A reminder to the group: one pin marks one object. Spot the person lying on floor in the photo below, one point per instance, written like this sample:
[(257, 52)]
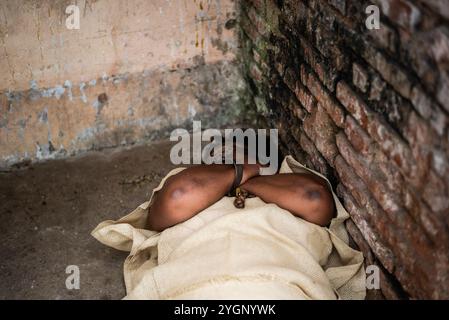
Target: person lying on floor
[(194, 189), (192, 241)]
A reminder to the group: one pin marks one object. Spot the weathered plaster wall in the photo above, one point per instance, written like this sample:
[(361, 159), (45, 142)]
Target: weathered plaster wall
[(133, 69)]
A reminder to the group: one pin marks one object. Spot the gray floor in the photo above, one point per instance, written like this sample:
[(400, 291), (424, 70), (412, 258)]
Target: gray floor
[(48, 210)]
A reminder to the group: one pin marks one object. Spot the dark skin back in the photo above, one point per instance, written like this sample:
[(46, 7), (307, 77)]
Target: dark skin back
[(196, 188)]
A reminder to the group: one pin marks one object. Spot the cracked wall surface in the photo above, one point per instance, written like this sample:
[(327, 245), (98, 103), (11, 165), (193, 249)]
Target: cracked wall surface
[(134, 70)]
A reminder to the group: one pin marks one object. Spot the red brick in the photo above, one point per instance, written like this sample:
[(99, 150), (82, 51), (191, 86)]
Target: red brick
[(443, 90), (394, 147), (317, 160), (261, 26), (357, 136), (354, 105), (402, 13), (440, 46), (360, 216), (377, 185), (389, 71), (255, 72), (357, 240), (439, 6), (435, 193), (358, 190), (351, 181), (422, 103), (250, 30), (370, 174), (259, 5), (321, 130), (385, 37), (390, 143), (377, 88), (420, 137), (360, 77), (433, 225), (328, 45), (315, 61), (429, 110), (305, 97), (440, 162), (290, 78), (304, 73), (294, 106), (325, 99)]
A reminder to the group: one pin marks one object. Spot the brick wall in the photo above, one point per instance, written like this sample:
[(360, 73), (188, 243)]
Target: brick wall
[(369, 109)]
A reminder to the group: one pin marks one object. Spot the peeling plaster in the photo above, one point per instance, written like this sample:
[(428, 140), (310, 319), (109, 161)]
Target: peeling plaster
[(151, 85), (43, 116), (68, 86), (83, 95)]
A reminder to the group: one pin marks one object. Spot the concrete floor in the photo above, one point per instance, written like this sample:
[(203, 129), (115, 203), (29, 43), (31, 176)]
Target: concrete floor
[(48, 210)]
